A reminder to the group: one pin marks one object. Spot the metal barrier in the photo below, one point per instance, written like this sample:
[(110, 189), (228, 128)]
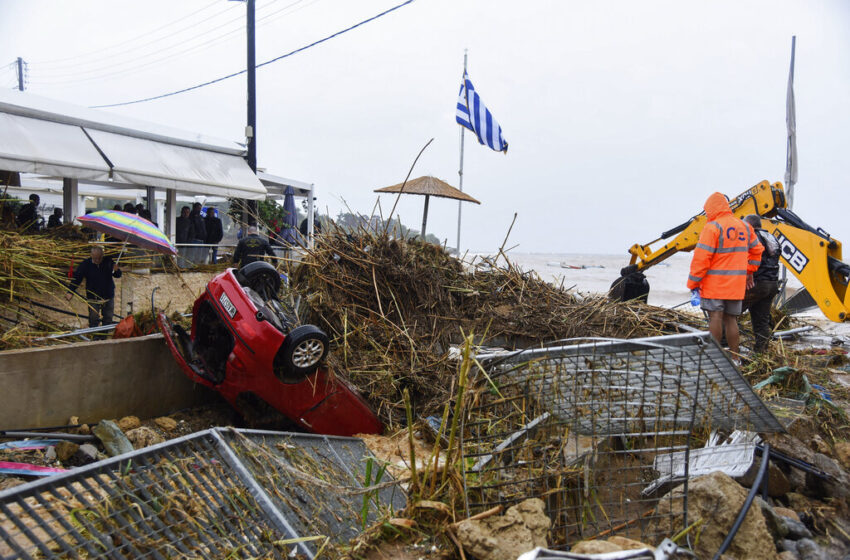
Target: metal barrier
[(580, 426), (234, 493)]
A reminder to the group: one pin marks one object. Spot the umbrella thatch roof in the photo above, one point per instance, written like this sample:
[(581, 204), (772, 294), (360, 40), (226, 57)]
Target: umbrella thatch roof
[(431, 186)]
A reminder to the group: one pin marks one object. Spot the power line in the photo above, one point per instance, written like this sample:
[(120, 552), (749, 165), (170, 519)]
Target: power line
[(99, 52), (180, 43), (281, 57), (169, 56)]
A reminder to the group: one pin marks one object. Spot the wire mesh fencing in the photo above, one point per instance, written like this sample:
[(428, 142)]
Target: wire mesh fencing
[(587, 428), (214, 494)]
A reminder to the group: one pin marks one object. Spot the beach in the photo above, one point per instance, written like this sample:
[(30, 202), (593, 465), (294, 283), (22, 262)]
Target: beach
[(594, 273)]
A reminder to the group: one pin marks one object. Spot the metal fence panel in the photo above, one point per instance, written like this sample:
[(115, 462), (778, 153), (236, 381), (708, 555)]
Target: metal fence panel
[(216, 493), (580, 426)]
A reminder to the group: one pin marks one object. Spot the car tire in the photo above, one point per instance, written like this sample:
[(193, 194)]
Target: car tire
[(301, 353), (261, 277)]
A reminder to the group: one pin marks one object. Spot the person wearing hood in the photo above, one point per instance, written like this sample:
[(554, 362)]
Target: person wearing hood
[(725, 258), (759, 297)]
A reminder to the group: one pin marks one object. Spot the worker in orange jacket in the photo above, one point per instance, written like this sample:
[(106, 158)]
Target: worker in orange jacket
[(725, 258)]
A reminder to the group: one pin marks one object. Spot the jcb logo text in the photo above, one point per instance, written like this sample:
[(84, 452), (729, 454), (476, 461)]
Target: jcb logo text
[(793, 256)]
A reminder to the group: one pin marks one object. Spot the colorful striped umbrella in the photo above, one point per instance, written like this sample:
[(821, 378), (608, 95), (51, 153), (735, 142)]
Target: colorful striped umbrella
[(129, 228)]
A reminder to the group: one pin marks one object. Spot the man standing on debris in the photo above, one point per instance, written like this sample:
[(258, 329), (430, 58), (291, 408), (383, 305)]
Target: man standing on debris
[(727, 254), (98, 272), (759, 297), (251, 248)]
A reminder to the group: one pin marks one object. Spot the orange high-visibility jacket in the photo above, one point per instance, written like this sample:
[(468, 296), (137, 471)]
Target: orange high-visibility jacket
[(726, 252)]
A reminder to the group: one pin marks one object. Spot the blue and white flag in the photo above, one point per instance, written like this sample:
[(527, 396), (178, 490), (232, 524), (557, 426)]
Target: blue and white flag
[(472, 114)]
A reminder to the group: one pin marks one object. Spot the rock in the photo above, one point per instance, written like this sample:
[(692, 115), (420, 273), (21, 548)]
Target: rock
[(82, 429), (796, 529), (87, 453), (112, 438), (144, 437), (789, 555), (842, 453), (594, 547), (797, 478), (777, 482), (787, 545), (50, 454), (129, 423), (782, 527), (798, 502), (821, 446), (717, 499), (807, 549), (839, 487), (533, 513), (628, 544), (791, 446), (775, 523), (522, 528), (65, 450), (785, 512), (166, 423)]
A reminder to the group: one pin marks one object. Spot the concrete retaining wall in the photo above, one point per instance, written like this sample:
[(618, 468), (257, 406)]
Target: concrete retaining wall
[(93, 380)]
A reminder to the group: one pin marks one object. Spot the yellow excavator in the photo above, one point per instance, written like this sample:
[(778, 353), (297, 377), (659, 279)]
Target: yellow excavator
[(811, 254)]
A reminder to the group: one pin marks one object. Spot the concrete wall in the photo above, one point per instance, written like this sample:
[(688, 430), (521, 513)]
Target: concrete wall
[(93, 380)]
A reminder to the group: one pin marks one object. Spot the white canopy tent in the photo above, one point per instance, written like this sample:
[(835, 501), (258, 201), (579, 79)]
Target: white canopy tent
[(276, 187), (54, 139)]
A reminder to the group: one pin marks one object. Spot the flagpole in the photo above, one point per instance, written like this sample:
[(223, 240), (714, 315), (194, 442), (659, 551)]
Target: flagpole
[(460, 171)]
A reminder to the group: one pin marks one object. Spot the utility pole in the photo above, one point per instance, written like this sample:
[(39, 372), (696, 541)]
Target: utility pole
[(20, 74), (251, 128)]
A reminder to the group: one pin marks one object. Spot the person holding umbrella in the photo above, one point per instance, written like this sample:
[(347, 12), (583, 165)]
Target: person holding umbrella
[(98, 271)]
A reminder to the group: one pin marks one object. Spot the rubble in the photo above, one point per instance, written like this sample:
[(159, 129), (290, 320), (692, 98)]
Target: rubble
[(144, 437), (405, 303), (129, 423), (714, 501), (504, 537), (166, 423), (112, 438)]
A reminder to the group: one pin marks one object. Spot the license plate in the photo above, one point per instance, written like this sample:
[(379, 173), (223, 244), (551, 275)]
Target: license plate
[(227, 305)]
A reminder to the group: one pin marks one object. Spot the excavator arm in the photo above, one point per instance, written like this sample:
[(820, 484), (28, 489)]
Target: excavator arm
[(763, 199), (809, 253)]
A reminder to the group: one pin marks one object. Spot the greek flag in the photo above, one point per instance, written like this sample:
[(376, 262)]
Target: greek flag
[(472, 114)]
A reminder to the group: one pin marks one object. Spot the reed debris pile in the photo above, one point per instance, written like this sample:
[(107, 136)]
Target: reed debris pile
[(393, 307)]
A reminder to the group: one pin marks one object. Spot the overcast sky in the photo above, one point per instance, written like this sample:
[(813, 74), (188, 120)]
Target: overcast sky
[(622, 117)]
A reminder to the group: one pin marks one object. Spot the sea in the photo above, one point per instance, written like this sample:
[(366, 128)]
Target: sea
[(594, 274)]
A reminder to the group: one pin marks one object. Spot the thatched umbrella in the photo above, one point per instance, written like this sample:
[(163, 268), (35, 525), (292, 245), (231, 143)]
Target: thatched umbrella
[(428, 186)]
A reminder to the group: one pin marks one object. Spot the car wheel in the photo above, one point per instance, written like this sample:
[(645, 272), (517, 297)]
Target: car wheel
[(301, 353), (261, 277)]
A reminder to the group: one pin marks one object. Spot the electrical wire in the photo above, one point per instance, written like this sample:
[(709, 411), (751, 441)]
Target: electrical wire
[(180, 42), (281, 57), (99, 52), (170, 55)]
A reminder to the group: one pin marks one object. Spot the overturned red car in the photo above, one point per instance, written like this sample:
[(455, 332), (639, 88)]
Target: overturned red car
[(245, 345)]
